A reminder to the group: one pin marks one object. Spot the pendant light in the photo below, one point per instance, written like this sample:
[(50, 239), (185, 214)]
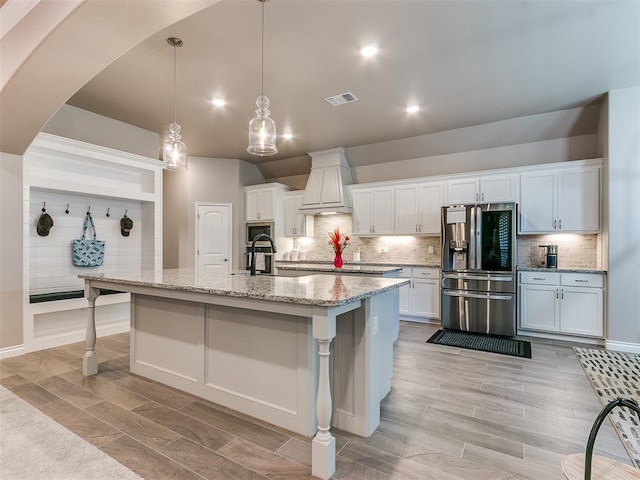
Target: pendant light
[(174, 152), (262, 129)]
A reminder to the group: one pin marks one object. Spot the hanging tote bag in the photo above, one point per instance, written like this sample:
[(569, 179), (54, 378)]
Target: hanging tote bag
[(88, 253)]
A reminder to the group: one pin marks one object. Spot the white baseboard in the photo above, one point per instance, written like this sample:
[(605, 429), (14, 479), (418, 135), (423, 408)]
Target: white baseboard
[(562, 337), (14, 351), (622, 346)]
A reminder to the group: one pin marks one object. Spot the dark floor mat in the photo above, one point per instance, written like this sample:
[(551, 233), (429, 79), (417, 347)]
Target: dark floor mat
[(483, 342)]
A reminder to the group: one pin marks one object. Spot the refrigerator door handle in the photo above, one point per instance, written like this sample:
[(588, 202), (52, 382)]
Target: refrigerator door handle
[(472, 239), (478, 265), (464, 276), (484, 296)]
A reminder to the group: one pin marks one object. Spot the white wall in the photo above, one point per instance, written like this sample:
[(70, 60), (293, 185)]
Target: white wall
[(207, 180), (11, 251), (73, 122), (620, 137)]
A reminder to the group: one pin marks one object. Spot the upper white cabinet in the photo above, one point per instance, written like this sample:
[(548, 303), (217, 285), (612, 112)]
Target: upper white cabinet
[(373, 211), (295, 224), (485, 189), (417, 208), (565, 200), (261, 201)]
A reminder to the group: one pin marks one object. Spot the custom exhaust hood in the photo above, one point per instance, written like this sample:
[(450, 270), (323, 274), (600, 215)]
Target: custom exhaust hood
[(325, 192)]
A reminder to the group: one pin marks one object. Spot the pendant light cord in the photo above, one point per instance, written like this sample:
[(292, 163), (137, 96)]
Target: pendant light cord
[(174, 83), (262, 52)]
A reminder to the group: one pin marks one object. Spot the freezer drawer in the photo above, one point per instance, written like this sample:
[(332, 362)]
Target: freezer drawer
[(480, 312), (479, 281)]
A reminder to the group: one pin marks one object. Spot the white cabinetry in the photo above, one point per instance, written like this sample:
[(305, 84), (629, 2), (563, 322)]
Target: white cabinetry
[(373, 211), (491, 188), (264, 202), (417, 208), (566, 200), (570, 303), (420, 300), (295, 224)]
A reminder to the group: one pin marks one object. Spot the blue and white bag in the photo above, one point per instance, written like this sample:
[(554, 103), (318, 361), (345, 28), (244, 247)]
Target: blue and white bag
[(88, 253)]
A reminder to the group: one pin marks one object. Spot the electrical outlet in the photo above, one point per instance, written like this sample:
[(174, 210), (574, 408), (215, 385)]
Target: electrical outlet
[(375, 325), (430, 249), (383, 248)]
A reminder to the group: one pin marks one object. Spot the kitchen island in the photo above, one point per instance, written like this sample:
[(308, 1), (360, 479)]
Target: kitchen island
[(261, 345)]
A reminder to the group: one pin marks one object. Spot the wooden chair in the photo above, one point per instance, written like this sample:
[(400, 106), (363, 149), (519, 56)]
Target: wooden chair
[(586, 466)]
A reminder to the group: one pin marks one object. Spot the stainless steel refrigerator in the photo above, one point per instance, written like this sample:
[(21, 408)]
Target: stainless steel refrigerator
[(479, 258)]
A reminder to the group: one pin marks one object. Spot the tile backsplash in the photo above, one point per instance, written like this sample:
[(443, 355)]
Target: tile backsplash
[(577, 251), (389, 249)]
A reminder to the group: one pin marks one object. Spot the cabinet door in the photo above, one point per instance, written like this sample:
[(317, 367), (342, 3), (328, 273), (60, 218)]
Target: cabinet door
[(291, 206), (407, 220), (579, 200), (463, 191), (252, 202), (581, 311), (539, 308), (361, 214), (537, 202), (266, 206), (405, 293), (383, 211), (426, 297), (499, 188), (431, 199)]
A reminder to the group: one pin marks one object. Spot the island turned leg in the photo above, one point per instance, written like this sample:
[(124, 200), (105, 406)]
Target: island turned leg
[(323, 446), (90, 359)]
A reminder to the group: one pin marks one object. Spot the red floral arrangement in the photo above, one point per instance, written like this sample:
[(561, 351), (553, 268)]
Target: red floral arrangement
[(337, 242)]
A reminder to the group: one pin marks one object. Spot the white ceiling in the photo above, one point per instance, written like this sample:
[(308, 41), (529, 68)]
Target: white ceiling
[(465, 62)]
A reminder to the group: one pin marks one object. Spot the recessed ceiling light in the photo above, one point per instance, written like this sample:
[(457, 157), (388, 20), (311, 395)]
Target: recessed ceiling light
[(369, 49), (413, 108), (287, 135), (219, 102)]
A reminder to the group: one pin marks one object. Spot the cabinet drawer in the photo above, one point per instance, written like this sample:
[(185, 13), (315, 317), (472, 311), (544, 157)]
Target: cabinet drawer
[(426, 273), (582, 280), (540, 278)]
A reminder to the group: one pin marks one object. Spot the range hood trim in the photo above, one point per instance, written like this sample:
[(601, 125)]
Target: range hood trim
[(325, 191)]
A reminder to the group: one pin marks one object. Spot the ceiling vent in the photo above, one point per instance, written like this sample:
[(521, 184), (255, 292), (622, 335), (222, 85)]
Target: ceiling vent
[(341, 99)]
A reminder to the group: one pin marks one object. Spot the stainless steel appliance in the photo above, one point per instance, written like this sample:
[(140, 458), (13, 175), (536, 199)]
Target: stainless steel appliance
[(253, 229), (550, 255), (479, 268)]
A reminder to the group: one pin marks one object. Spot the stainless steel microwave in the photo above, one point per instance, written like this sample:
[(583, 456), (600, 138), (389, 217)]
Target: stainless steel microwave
[(256, 228)]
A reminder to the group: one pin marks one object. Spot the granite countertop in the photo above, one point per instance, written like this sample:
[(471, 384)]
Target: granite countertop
[(300, 263), (320, 290), (562, 269), (328, 267)]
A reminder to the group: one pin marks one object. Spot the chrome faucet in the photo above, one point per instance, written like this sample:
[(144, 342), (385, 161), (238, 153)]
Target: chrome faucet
[(253, 249)]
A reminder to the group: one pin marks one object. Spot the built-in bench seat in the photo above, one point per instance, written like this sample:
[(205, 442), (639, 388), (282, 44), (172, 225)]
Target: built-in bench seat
[(52, 297)]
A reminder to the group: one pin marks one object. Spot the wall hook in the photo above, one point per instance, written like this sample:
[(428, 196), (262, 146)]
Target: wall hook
[(67, 210), (108, 214), (44, 205)]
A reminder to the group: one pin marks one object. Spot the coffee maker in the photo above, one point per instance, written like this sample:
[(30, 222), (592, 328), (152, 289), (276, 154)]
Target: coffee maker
[(550, 255)]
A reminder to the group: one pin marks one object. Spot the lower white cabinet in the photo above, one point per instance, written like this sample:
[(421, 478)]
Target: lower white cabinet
[(569, 303), (420, 300)]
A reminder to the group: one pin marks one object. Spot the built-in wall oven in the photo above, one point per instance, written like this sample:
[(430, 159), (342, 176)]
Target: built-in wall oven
[(479, 268)]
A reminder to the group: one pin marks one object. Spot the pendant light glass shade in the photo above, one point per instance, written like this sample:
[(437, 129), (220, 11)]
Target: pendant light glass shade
[(174, 152), (262, 129)]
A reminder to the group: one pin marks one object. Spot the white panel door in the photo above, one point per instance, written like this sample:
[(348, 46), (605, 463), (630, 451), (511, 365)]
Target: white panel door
[(539, 308), (463, 190), (431, 198), (538, 202), (383, 211), (361, 215), (426, 297), (581, 311), (579, 200), (499, 188), (213, 227), (407, 220)]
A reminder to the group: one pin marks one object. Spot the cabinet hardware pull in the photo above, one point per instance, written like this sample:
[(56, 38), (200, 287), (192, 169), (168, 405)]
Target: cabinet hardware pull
[(420, 227), (483, 197), (554, 225), (556, 293), (582, 281), (539, 278), (476, 197), (562, 294), (560, 224)]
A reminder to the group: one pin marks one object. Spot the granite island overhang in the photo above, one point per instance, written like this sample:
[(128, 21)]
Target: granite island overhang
[(261, 345)]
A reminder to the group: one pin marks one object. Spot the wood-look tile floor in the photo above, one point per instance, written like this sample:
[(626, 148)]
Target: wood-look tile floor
[(452, 414)]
